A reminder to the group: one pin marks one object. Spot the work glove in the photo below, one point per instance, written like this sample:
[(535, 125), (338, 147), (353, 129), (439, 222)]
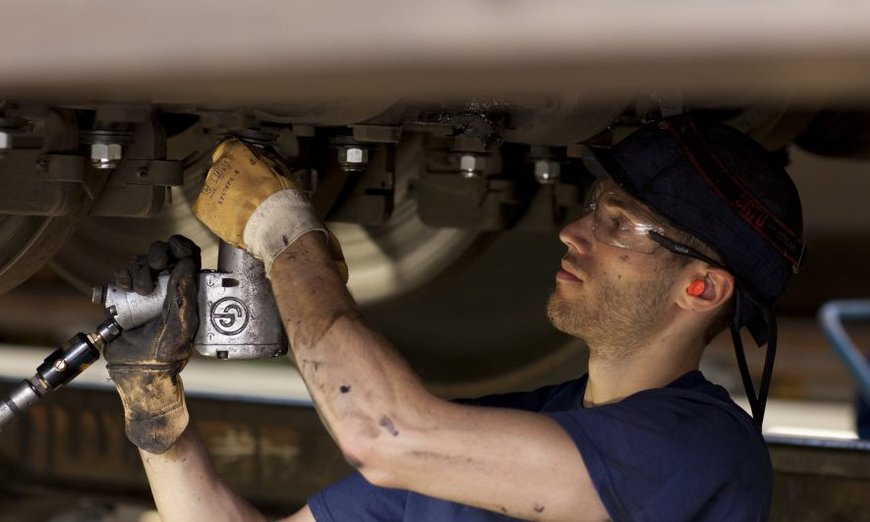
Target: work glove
[(145, 362), (251, 201)]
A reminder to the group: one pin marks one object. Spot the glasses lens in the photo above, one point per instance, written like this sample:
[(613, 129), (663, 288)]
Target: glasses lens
[(618, 221)]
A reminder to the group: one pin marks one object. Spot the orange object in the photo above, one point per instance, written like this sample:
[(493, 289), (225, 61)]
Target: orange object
[(696, 288)]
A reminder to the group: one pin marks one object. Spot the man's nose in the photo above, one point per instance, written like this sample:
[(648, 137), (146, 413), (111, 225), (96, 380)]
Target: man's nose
[(578, 234)]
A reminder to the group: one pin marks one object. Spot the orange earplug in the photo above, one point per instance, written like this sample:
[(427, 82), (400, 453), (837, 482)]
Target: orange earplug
[(696, 288)]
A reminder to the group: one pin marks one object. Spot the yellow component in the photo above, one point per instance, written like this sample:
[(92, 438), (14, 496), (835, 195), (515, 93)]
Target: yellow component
[(237, 182)]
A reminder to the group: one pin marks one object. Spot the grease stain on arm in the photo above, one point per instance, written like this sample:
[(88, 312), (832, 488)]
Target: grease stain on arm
[(387, 424)]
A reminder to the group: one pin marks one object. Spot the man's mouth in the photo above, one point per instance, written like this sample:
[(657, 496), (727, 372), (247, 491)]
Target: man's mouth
[(568, 273)]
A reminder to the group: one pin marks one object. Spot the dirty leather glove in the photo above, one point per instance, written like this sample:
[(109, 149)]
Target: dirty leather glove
[(251, 201), (145, 362)]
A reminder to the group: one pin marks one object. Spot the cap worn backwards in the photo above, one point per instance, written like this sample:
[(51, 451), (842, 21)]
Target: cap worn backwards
[(722, 187)]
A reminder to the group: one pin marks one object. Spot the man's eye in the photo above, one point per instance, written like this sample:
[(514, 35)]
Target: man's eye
[(621, 224), (617, 225)]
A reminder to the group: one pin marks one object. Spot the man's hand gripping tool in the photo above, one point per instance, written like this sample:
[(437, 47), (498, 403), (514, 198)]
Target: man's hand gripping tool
[(238, 319)]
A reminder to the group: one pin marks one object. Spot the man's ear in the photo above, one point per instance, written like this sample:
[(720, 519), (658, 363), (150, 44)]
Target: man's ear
[(705, 290)]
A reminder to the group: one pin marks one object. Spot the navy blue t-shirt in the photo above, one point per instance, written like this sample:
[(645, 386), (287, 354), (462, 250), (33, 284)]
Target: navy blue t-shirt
[(679, 453)]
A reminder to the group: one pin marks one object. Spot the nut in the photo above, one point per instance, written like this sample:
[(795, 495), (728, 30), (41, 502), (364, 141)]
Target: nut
[(106, 155), (547, 171), (353, 158), (470, 165)]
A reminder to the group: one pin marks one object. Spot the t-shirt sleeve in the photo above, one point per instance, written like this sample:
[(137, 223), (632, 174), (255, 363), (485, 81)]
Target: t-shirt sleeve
[(672, 455), (355, 499)]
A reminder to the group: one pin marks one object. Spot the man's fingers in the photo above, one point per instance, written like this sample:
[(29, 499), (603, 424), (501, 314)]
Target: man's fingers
[(185, 269), (159, 256), (182, 247), (180, 309), (123, 280), (141, 276), (163, 255)]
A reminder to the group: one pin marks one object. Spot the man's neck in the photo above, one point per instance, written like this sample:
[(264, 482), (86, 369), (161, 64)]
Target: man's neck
[(611, 380)]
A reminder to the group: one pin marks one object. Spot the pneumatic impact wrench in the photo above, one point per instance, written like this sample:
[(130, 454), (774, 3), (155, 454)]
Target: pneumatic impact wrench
[(238, 319)]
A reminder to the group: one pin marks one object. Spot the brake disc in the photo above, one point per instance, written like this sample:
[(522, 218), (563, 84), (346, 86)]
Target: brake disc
[(28, 240), (27, 243)]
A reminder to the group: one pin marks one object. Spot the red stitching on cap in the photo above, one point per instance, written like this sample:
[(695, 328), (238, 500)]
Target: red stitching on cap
[(753, 212)]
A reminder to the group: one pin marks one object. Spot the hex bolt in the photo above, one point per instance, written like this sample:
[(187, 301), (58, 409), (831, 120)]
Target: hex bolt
[(470, 165), (106, 155), (352, 158), (5, 142), (547, 171)]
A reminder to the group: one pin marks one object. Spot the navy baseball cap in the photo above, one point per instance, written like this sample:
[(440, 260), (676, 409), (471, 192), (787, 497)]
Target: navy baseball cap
[(720, 186)]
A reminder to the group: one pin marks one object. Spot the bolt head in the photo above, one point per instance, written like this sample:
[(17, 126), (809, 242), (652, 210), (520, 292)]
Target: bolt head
[(547, 171), (60, 365), (5, 141), (106, 155), (353, 158), (471, 165)]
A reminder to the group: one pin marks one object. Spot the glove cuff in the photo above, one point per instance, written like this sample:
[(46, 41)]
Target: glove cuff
[(278, 221), (155, 412)]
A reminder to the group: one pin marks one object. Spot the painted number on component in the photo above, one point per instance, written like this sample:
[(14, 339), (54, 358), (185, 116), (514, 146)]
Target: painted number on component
[(229, 316)]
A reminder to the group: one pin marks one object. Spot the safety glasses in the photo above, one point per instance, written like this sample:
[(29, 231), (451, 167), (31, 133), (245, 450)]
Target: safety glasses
[(621, 221)]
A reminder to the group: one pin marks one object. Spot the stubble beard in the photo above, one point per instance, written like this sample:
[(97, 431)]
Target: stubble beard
[(618, 322)]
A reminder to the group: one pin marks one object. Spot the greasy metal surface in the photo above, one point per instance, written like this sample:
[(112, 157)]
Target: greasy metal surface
[(273, 454), (170, 51)]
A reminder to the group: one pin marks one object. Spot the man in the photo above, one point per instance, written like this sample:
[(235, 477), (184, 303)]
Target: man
[(690, 229)]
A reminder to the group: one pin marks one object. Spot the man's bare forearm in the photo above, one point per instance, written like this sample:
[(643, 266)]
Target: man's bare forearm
[(185, 486), (358, 382)]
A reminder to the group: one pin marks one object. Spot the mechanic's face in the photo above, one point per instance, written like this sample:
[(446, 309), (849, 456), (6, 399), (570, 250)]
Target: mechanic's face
[(610, 295)]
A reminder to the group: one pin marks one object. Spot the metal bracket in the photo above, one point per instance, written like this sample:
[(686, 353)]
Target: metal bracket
[(371, 196), (377, 133), (61, 167), (166, 173)]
